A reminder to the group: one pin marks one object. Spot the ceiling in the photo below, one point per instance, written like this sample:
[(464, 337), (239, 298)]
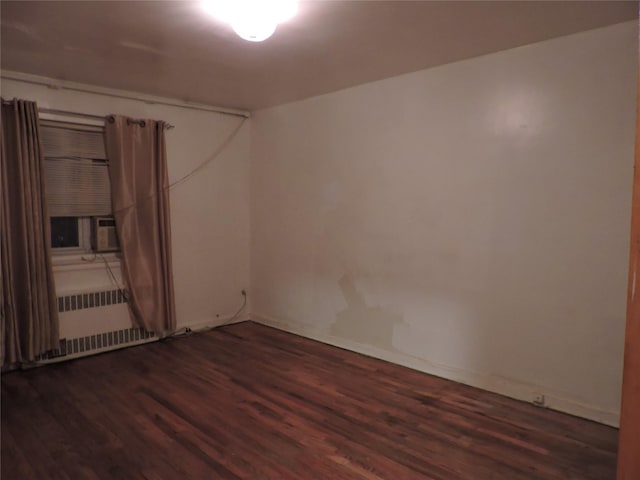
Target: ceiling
[(174, 49)]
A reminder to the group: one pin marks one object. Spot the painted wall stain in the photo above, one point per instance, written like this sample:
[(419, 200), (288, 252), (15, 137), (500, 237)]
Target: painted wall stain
[(362, 323)]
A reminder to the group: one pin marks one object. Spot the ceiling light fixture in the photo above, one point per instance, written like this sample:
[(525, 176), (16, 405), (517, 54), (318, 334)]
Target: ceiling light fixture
[(253, 20)]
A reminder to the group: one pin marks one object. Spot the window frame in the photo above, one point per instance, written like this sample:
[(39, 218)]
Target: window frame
[(72, 257)]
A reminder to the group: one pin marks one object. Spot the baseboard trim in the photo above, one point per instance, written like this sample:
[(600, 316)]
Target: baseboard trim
[(493, 383)]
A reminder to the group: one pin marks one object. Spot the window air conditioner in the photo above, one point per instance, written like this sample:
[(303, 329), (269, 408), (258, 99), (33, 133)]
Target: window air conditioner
[(103, 235)]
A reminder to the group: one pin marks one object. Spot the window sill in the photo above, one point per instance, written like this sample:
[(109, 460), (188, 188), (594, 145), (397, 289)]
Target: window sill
[(66, 262)]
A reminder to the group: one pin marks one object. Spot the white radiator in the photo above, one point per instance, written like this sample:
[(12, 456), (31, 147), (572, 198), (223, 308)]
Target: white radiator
[(99, 342)]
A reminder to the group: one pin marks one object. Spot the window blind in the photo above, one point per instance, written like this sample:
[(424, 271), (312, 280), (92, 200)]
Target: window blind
[(77, 173)]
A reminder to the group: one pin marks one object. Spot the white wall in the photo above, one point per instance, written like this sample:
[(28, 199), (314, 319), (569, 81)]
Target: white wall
[(209, 212), (470, 220)]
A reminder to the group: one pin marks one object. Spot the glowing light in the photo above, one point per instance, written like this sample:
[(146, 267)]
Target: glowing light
[(254, 31), (253, 20)]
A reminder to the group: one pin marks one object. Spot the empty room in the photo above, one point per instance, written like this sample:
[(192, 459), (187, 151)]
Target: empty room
[(320, 239)]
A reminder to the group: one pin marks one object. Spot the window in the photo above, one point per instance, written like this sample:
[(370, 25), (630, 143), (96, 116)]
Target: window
[(78, 186), (64, 232)]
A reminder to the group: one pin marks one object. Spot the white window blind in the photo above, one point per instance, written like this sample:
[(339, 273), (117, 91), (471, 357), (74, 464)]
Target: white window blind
[(76, 168)]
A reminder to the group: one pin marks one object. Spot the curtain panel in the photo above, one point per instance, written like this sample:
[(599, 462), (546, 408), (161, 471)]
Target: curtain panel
[(140, 198), (29, 310)]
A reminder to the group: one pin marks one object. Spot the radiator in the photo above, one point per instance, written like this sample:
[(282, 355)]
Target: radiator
[(82, 301), (99, 342)]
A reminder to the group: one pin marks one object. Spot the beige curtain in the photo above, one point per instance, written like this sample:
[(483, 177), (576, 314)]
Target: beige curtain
[(29, 313), (140, 198)]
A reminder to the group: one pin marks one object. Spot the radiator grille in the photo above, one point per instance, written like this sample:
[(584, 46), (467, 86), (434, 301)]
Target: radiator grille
[(100, 341), (82, 301), (88, 345)]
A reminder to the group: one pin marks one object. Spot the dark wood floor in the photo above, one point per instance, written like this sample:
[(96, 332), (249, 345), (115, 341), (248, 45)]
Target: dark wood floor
[(247, 401)]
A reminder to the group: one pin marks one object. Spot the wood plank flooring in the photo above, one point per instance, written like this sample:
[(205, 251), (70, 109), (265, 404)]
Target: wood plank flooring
[(250, 402)]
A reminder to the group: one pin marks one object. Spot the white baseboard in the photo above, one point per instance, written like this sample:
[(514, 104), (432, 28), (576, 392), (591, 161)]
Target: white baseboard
[(493, 383)]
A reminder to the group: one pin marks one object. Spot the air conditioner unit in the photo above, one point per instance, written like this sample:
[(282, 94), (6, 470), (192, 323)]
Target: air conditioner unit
[(103, 235)]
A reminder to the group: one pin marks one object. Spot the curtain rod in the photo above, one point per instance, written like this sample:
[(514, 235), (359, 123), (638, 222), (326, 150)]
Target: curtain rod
[(62, 85), (72, 114), (54, 111)]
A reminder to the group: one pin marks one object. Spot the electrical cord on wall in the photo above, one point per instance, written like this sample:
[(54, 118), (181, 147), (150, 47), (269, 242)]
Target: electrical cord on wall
[(112, 276), (189, 331), (235, 315), (213, 156), (223, 146)]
